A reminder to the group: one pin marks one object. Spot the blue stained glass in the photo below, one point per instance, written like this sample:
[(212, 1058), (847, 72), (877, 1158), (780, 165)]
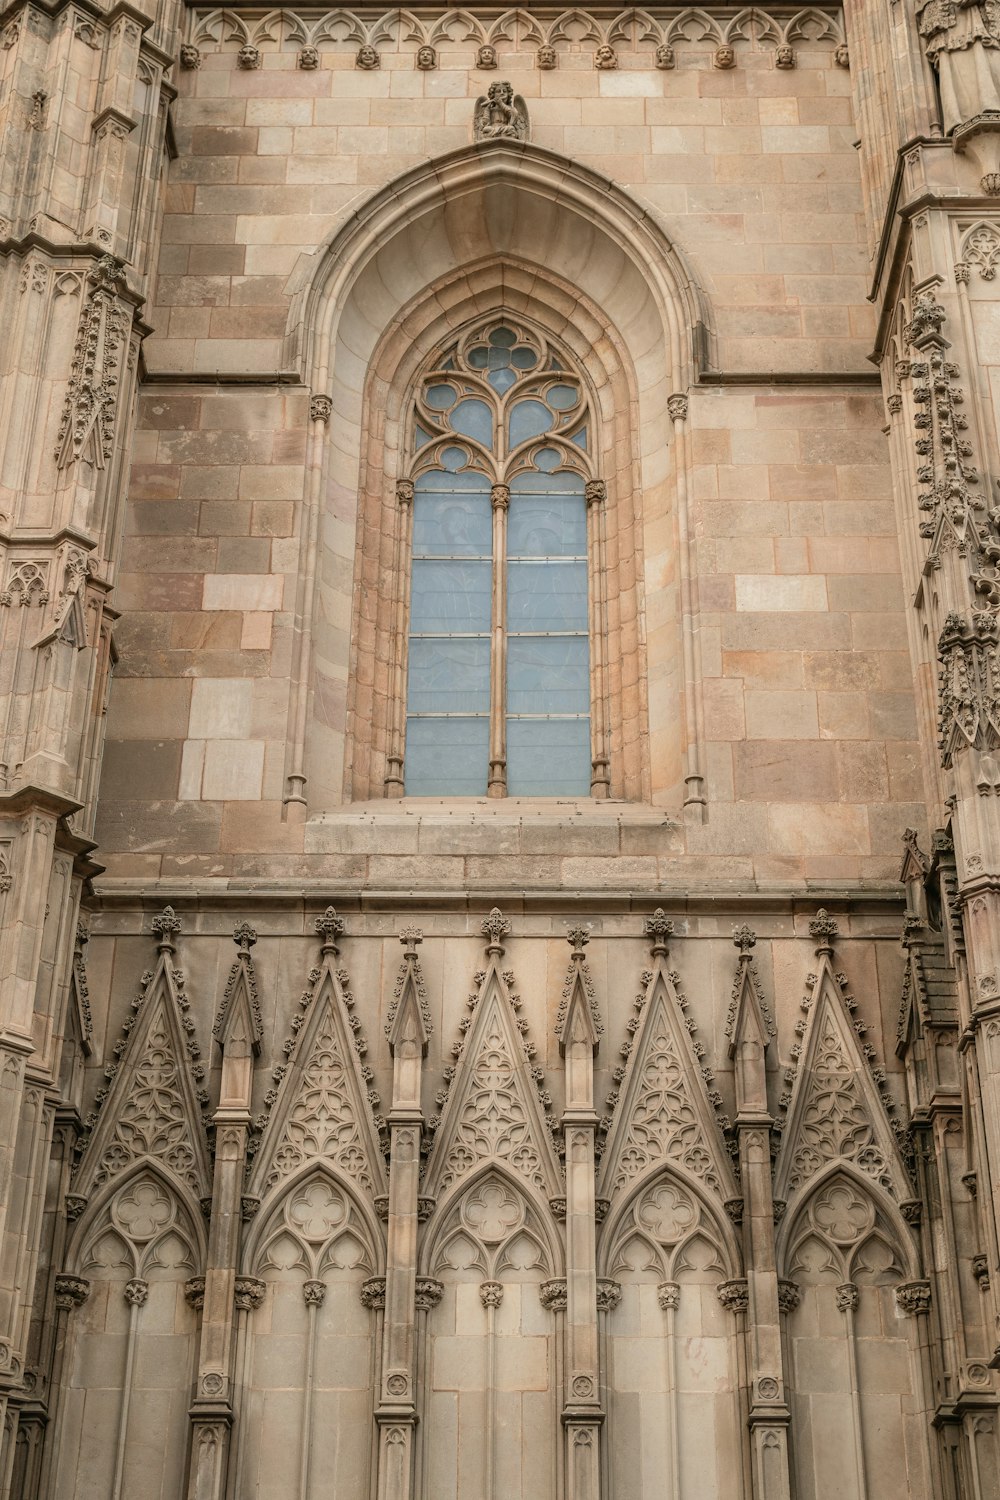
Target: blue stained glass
[(454, 458), (580, 438), (452, 516), (524, 359), (503, 338), (547, 459), (440, 397), (548, 674), (548, 757), (447, 757), (562, 397), (478, 356), (421, 437), (448, 597), (547, 526), (528, 419), (448, 675), (474, 419), (547, 596), (502, 380)]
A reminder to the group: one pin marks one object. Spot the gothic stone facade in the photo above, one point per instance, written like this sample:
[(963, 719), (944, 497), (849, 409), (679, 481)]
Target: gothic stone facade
[(617, 1118)]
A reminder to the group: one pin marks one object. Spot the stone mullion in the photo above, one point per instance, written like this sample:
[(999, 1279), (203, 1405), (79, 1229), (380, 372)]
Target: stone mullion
[(403, 566), (497, 783), (769, 1415), (396, 1413), (582, 1413), (248, 1296), (597, 569)]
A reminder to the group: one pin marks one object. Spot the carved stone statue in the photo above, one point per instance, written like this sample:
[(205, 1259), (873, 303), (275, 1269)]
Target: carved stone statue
[(963, 44), (500, 115)]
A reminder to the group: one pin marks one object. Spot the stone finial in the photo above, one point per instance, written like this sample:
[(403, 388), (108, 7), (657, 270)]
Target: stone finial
[(244, 936), (578, 938), (659, 927), (330, 927), (824, 929), (495, 927), (744, 938), (166, 926), (410, 937)]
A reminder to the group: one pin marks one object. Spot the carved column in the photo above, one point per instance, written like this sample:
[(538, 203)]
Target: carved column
[(750, 1030), (248, 1295), (238, 1033), (577, 1029), (396, 1414)]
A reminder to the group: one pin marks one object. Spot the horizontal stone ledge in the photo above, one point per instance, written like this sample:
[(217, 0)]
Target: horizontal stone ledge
[(201, 378), (886, 901)]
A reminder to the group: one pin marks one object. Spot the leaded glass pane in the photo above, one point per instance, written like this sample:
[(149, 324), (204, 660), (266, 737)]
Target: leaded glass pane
[(447, 757), (452, 516), (548, 674), (547, 596), (548, 757), (475, 420), (449, 675), (449, 597), (528, 419)]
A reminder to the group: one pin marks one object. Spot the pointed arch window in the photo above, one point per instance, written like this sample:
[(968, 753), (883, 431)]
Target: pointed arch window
[(499, 671)]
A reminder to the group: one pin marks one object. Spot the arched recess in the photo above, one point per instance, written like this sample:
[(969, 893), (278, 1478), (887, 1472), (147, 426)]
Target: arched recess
[(306, 1364), (852, 1353), (458, 238), (671, 1346), (492, 1345), (131, 1345)]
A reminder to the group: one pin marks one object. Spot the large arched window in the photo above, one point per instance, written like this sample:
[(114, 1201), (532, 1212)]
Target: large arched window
[(499, 641)]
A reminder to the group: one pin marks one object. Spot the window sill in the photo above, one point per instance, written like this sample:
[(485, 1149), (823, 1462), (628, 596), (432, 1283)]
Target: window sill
[(512, 826)]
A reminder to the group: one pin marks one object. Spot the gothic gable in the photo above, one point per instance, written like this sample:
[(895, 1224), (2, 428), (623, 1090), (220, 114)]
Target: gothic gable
[(152, 1107), (663, 1113), (322, 1112), (836, 1113), (493, 1112)]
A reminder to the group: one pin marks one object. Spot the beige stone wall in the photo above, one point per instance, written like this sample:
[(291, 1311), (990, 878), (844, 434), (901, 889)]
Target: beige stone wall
[(772, 649)]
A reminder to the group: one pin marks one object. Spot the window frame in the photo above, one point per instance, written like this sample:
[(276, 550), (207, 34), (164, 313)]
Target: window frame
[(499, 468)]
